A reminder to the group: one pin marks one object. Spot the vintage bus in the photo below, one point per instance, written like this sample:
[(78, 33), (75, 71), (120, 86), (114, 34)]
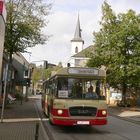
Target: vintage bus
[(64, 98)]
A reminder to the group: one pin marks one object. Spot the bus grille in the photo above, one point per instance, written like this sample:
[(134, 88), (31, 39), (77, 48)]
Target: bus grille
[(82, 111)]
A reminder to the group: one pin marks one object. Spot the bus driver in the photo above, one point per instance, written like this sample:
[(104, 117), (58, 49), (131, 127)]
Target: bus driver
[(90, 94)]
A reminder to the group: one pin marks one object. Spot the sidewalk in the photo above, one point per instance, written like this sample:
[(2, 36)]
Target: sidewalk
[(20, 121), (131, 114)]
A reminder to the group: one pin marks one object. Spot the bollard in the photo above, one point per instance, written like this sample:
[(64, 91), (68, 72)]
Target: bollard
[(36, 131)]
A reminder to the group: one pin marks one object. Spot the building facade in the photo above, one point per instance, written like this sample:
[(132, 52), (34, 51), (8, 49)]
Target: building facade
[(78, 53), (2, 34), (22, 74), (76, 44), (17, 78), (81, 57)]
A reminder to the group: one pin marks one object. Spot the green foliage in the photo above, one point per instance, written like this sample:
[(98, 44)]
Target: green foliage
[(117, 47), (25, 19), (40, 73), (36, 75)]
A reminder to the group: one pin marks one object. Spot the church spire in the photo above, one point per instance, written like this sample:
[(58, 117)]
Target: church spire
[(77, 35)]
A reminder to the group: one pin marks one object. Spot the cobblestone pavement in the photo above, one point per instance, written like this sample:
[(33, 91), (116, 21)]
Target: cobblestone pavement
[(20, 122)]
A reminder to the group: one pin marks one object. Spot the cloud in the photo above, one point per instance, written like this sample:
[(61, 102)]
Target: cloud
[(124, 5), (62, 24)]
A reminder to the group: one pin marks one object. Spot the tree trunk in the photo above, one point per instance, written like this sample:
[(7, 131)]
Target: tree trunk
[(124, 89)]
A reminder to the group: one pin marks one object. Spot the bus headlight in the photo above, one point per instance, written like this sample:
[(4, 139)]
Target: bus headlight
[(60, 112), (104, 112)]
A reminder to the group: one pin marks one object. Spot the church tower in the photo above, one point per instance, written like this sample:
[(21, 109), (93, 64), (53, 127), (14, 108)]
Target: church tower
[(77, 42)]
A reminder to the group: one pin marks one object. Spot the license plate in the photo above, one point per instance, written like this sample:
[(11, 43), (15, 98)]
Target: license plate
[(83, 122)]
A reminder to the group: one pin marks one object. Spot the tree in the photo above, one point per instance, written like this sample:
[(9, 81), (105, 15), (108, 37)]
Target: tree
[(25, 19), (40, 73), (117, 47)]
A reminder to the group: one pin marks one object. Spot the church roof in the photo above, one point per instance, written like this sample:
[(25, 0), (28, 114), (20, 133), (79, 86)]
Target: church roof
[(84, 52), (77, 35)]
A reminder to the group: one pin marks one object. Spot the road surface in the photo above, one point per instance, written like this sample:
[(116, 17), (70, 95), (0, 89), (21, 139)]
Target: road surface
[(116, 129)]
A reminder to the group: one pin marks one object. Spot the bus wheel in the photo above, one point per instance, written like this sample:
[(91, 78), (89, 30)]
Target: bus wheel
[(49, 116), (50, 121), (46, 113)]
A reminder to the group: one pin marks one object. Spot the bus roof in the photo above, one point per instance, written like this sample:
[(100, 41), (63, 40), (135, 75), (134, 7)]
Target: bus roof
[(79, 72)]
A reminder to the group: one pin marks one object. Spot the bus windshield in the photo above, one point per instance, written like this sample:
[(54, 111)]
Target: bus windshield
[(79, 88)]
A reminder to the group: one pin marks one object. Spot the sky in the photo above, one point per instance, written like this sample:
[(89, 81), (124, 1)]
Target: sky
[(62, 24)]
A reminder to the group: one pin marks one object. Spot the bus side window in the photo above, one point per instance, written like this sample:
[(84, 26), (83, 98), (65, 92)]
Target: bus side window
[(55, 89), (50, 91), (50, 88), (98, 88)]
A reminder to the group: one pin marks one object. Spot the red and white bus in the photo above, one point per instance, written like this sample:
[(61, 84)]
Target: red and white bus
[(65, 100)]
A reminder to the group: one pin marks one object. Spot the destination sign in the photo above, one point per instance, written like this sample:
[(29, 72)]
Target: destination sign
[(83, 71), (62, 93)]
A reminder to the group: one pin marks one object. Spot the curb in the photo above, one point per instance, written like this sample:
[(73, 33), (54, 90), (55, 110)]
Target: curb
[(41, 123), (125, 119)]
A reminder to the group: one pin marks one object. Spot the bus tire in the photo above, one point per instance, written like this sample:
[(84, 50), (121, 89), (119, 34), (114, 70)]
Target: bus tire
[(47, 112), (51, 123)]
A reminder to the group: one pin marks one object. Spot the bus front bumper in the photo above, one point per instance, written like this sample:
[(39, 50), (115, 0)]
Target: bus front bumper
[(68, 122)]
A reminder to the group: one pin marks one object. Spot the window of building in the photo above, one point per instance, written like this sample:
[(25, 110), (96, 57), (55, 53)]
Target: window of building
[(76, 49), (77, 62)]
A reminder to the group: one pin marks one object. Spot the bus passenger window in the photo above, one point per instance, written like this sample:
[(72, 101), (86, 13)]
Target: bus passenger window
[(62, 89), (62, 84), (77, 90)]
